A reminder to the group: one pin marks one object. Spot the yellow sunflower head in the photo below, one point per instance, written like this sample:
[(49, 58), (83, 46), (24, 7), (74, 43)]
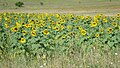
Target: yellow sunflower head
[(33, 33), (112, 18), (82, 17), (27, 25), (63, 21), (33, 29), (45, 32), (52, 22), (118, 15), (93, 24), (36, 21), (114, 24), (41, 25), (80, 28), (105, 20), (71, 34), (61, 27), (58, 23), (110, 30), (18, 24), (101, 30), (0, 17), (57, 29), (63, 36), (14, 29), (69, 27), (6, 25), (57, 15), (23, 40), (88, 17), (119, 27), (97, 35), (77, 27), (24, 32), (83, 32)]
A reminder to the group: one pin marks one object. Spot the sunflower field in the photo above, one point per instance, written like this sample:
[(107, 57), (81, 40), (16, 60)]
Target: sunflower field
[(34, 34)]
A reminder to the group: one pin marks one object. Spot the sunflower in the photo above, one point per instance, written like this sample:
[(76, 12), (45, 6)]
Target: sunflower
[(105, 20), (93, 24), (57, 15), (76, 21), (114, 24), (14, 29), (6, 25), (33, 33), (82, 17), (52, 22), (18, 24), (97, 35), (77, 27), (22, 40), (62, 27), (101, 30), (56, 28), (41, 25), (33, 29), (118, 15), (49, 27), (45, 32), (24, 32), (28, 15), (6, 18), (69, 27), (95, 18), (63, 36), (62, 21), (88, 17), (119, 27), (4, 13), (83, 32), (27, 25), (80, 28), (36, 21), (60, 18), (110, 30), (71, 34), (0, 17), (112, 18), (58, 23), (37, 25)]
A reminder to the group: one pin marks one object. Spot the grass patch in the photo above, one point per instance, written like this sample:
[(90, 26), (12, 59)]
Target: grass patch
[(76, 57)]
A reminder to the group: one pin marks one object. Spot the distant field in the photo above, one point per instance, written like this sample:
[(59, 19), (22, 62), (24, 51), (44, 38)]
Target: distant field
[(64, 6)]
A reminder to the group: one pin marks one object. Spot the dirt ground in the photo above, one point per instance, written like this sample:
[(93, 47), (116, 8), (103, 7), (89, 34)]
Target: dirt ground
[(108, 12)]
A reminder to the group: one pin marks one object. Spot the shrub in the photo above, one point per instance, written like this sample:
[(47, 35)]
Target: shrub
[(41, 3), (19, 4)]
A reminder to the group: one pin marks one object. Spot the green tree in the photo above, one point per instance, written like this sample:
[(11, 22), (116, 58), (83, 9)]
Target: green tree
[(19, 4)]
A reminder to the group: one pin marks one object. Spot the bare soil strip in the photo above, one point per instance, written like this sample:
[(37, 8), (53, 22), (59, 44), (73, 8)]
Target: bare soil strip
[(79, 12)]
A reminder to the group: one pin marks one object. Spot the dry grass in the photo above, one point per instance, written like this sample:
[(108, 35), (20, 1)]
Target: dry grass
[(75, 57)]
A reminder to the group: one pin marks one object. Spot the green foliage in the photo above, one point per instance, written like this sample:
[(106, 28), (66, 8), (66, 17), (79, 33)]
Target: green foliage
[(19, 4), (41, 34)]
